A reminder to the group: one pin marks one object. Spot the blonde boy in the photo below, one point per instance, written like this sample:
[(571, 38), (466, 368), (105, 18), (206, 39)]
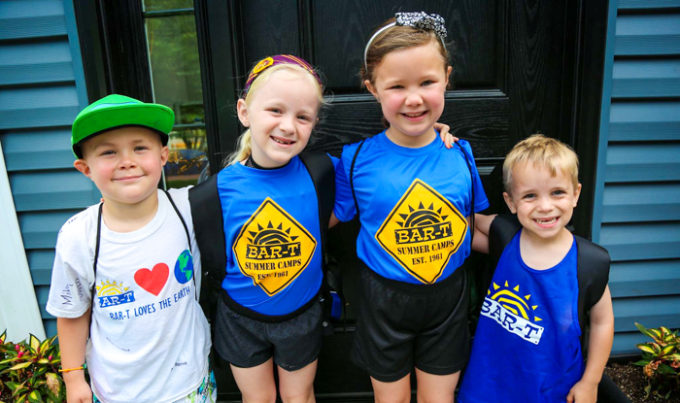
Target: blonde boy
[(527, 344), (125, 270)]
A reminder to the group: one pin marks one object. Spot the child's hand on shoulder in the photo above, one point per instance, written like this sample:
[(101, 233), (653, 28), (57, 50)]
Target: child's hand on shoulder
[(583, 392), (444, 134)]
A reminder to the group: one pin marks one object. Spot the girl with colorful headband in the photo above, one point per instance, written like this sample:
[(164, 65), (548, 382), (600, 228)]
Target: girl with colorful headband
[(415, 234), (268, 314)]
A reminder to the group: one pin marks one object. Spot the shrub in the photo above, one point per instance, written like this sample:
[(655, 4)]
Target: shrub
[(660, 361), (29, 371)]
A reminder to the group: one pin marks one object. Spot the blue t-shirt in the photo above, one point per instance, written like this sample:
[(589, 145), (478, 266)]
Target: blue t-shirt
[(272, 239), (527, 343), (413, 204)]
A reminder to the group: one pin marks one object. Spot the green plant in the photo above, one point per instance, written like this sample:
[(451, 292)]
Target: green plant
[(29, 371), (660, 361)]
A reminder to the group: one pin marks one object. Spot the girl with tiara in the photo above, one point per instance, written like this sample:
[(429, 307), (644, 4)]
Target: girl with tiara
[(415, 200)]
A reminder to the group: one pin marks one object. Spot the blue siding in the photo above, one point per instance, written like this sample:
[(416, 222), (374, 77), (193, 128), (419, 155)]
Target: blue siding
[(637, 208), (41, 91)]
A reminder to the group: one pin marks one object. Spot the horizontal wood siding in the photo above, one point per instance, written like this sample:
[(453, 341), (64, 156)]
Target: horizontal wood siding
[(639, 182), (41, 91)]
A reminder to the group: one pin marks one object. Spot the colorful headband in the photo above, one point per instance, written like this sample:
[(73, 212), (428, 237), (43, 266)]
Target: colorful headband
[(270, 61), (416, 19)]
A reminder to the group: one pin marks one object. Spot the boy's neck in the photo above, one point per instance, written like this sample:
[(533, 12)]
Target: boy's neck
[(540, 253), (122, 217)]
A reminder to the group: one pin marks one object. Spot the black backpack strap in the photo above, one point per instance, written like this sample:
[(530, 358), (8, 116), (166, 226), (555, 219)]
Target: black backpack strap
[(593, 275), (322, 172), (351, 175), (503, 229), (206, 213), (472, 193)]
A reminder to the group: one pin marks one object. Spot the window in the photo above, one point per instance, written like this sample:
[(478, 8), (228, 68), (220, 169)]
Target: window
[(170, 30)]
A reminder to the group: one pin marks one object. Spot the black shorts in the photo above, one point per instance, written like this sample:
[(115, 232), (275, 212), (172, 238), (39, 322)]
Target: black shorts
[(246, 342), (401, 326)]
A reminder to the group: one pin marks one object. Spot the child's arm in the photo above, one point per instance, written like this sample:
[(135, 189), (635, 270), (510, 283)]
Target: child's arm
[(599, 347), (333, 221), (73, 333), (480, 241)]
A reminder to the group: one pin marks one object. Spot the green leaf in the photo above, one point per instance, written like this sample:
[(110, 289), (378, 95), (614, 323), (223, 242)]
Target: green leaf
[(44, 346), (665, 370), (643, 330), (21, 366), (34, 397), (13, 385), (43, 361), (646, 348), (3, 337), (641, 363), (7, 361), (34, 343), (53, 383), (667, 350)]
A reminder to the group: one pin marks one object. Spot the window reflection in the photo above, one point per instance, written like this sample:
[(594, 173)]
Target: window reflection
[(176, 82)]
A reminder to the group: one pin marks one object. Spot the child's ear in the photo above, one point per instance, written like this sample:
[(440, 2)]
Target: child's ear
[(82, 167), (448, 75), (371, 89), (509, 202), (242, 112), (577, 193), (165, 152)]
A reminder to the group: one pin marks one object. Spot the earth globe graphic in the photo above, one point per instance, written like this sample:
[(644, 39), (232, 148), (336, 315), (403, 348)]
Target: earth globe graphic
[(184, 267)]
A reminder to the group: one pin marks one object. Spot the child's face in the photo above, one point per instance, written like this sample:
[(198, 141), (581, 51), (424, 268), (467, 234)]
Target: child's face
[(544, 203), (125, 164), (281, 116), (409, 84)]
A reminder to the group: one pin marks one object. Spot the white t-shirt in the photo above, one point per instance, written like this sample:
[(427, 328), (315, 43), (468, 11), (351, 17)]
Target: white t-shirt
[(149, 340)]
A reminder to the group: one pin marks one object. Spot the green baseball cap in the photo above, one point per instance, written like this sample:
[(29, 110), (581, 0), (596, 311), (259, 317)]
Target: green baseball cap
[(114, 111)]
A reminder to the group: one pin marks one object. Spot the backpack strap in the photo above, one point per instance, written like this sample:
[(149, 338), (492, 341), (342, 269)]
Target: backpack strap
[(593, 275), (503, 229), (472, 193), (351, 175), (322, 172), (206, 213)]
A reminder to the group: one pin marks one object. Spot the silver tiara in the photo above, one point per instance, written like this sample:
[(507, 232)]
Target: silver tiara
[(415, 19)]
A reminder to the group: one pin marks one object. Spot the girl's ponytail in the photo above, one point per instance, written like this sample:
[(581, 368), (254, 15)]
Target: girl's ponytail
[(243, 149)]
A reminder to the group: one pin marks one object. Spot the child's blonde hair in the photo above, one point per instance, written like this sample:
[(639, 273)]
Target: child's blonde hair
[(395, 38), (244, 146), (543, 151)]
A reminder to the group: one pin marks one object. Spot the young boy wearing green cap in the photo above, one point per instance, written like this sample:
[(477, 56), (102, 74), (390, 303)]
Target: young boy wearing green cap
[(124, 281)]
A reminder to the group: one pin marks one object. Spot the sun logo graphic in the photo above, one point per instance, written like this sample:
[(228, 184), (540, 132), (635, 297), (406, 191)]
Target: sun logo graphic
[(113, 293), (513, 311), (422, 231), (273, 248)]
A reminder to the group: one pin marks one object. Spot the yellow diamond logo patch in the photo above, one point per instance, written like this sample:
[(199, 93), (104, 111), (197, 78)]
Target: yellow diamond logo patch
[(422, 232), (273, 248)]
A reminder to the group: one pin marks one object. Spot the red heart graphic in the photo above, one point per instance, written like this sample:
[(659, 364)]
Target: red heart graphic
[(153, 280)]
